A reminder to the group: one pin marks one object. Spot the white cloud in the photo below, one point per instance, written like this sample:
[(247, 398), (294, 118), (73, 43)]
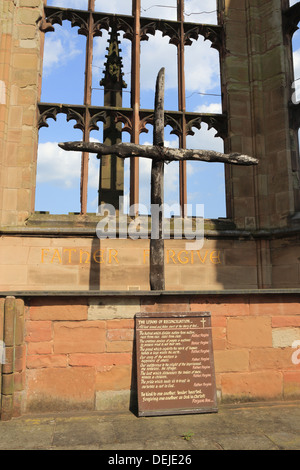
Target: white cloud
[(202, 12), (202, 67), (201, 64), (205, 139), (57, 166), (122, 7), (160, 9), (61, 168), (212, 108), (59, 49), (79, 4), (296, 60)]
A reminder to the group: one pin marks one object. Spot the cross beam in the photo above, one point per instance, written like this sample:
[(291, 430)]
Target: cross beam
[(159, 155)]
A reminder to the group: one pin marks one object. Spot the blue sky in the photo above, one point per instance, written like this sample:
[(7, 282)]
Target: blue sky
[(58, 174)]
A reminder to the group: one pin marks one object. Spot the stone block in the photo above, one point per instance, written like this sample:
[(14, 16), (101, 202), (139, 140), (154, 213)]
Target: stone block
[(249, 332), (285, 321), (285, 337), (117, 378), (28, 15), (252, 385), (111, 308), (2, 303), (119, 346), (79, 337), (100, 361), (26, 32), (38, 331), (119, 334), (52, 277), (39, 361), (274, 305), (113, 400), (271, 358), (19, 381), (6, 407), (221, 306), (14, 359), (43, 347), (25, 61), (9, 321), (14, 255), (231, 360), (165, 305), (54, 389), (30, 3), (58, 309), (119, 324), (7, 384), (10, 199), (291, 384)]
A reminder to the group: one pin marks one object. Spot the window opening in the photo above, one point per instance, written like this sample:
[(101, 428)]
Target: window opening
[(206, 181), (63, 66), (202, 12), (156, 53), (166, 26), (58, 175), (163, 9)]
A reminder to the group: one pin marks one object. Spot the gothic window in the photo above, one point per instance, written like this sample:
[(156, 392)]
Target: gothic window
[(100, 64)]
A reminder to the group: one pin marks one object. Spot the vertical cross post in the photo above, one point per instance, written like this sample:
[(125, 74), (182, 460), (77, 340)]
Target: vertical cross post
[(135, 102), (181, 106), (157, 274)]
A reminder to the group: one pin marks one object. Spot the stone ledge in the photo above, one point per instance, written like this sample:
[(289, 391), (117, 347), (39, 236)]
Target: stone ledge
[(112, 293)]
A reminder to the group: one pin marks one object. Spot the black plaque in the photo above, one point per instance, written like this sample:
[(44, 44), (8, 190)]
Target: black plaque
[(175, 365)]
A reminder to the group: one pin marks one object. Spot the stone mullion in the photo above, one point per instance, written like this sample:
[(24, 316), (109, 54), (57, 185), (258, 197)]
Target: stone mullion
[(13, 370)]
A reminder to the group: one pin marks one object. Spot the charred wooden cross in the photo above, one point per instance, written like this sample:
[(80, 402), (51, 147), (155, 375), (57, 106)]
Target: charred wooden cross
[(159, 155)]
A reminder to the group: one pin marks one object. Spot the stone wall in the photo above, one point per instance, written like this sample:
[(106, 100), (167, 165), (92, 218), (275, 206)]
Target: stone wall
[(20, 77), (85, 263), (80, 351)]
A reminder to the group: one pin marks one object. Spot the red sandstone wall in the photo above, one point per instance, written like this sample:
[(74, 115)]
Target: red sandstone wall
[(74, 360)]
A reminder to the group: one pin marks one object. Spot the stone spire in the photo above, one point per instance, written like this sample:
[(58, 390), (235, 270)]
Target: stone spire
[(111, 182)]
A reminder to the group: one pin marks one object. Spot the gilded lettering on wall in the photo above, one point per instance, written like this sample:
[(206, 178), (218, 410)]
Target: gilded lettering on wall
[(111, 256), (76, 256), (189, 257)]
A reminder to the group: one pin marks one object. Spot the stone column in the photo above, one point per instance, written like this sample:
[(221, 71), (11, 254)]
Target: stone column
[(20, 73), (256, 79)]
